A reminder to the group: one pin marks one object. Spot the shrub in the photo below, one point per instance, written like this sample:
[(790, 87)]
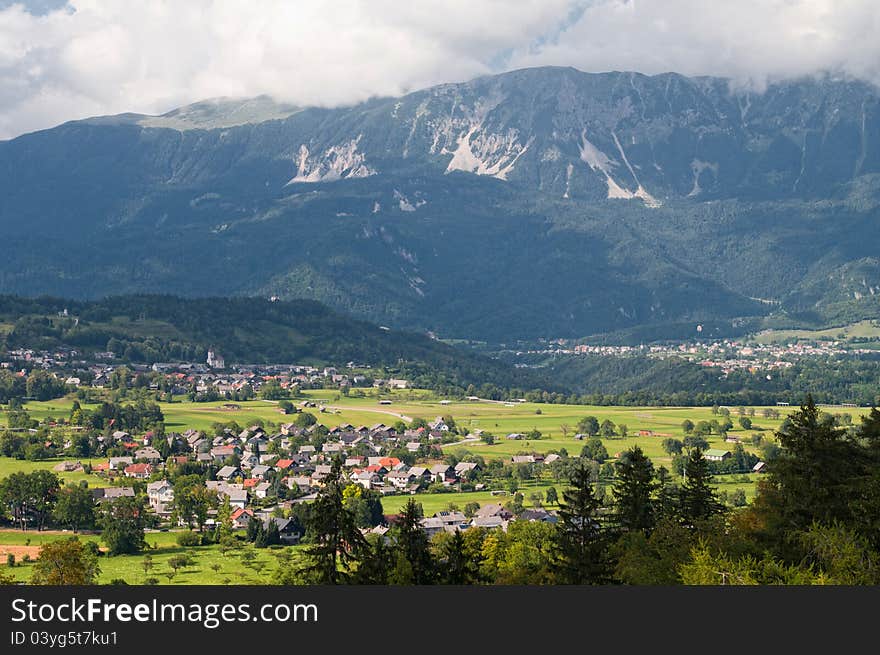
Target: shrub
[(189, 538)]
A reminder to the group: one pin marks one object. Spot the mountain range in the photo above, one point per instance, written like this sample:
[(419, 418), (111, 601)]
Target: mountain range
[(544, 202)]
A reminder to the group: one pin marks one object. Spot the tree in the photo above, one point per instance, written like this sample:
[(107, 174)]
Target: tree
[(551, 496), (745, 422), (607, 429), (122, 522), (458, 566), (65, 562), (697, 499), (687, 426), (373, 566), (336, 541), (815, 470), (75, 507), (179, 562), (672, 446), (413, 561), (30, 497), (595, 450), (623, 430), (588, 425), (224, 520), (470, 509), (193, 500), (579, 544), (633, 492)]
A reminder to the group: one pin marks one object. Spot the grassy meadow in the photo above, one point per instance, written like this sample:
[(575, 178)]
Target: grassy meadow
[(211, 566)]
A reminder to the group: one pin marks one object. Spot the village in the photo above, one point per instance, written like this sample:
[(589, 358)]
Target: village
[(262, 475), (724, 354)]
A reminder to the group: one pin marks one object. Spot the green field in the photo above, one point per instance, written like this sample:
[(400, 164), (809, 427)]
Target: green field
[(8, 465), (211, 566), (866, 328), (496, 417)]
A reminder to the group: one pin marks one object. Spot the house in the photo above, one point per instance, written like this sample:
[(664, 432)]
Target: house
[(439, 424), (219, 453), (290, 530), (260, 471), (237, 497), (420, 474), (522, 459), (262, 489), (552, 457), (140, 471), (400, 479), (489, 522), (515, 436), (443, 473), (432, 525), (536, 514), (112, 493), (283, 464), (463, 469), (452, 521), (119, 463), (160, 493), (493, 510), (256, 444), (413, 446), (241, 518), (229, 472), (149, 454), (249, 460), (301, 482), (716, 455), (367, 478), (760, 467)]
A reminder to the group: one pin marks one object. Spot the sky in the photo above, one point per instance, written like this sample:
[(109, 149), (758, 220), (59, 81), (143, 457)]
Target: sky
[(65, 60)]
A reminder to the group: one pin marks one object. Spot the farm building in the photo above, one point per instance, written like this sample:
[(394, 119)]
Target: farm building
[(716, 454)]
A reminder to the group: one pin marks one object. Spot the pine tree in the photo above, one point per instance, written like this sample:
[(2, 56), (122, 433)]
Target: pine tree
[(373, 566), (336, 541), (414, 564), (697, 499), (634, 491), (816, 471), (579, 546), (458, 566)]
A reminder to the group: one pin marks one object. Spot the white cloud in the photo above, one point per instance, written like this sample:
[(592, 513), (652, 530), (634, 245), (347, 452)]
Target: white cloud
[(105, 56)]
